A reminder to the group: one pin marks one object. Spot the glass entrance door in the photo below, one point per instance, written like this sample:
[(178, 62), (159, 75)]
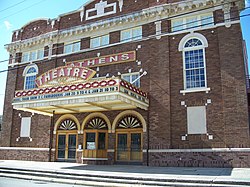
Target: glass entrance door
[(129, 147), (122, 147), (135, 148), (66, 147), (61, 149)]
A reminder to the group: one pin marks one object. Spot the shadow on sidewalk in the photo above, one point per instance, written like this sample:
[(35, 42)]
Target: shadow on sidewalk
[(132, 169)]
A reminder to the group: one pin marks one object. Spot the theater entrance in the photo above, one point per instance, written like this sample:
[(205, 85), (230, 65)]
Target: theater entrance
[(66, 141), (129, 140)]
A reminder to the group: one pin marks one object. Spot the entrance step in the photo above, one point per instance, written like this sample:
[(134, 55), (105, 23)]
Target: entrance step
[(109, 180)]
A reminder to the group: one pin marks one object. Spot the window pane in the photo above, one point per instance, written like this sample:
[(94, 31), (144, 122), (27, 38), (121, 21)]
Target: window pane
[(137, 33), (90, 141), (105, 40), (136, 83), (101, 140), (177, 25), (126, 77), (207, 20), (32, 55), (25, 57), (40, 54), (192, 22), (95, 42), (31, 70), (76, 46), (194, 69), (68, 48), (126, 35), (30, 82)]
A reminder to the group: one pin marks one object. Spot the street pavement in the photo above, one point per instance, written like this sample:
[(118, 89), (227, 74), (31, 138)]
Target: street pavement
[(162, 175)]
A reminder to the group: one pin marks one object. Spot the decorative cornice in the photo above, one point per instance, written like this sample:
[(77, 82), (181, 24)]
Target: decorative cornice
[(148, 15)]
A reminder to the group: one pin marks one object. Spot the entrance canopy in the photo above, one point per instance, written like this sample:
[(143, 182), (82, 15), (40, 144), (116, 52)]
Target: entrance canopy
[(90, 96)]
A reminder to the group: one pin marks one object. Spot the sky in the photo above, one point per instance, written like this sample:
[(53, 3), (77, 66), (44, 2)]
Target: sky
[(16, 13)]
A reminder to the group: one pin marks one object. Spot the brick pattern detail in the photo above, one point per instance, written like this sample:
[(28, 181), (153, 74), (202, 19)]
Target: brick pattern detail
[(198, 159), (24, 155)]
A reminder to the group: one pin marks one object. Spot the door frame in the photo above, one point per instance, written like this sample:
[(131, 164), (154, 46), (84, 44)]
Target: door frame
[(66, 133), (128, 132)]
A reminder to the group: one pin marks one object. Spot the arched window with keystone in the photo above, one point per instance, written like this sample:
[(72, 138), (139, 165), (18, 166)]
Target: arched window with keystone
[(194, 62), (30, 73)]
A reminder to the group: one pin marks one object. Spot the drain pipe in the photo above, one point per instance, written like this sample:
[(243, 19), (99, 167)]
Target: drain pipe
[(51, 135), (148, 132)]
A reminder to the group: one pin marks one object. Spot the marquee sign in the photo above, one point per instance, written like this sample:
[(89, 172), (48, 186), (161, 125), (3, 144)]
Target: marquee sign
[(64, 75), (105, 60)]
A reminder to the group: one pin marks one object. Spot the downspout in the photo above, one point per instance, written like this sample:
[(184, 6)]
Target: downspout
[(51, 135), (148, 132)]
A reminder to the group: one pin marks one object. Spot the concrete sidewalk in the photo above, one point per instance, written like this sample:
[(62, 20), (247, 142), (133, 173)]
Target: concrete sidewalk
[(227, 176)]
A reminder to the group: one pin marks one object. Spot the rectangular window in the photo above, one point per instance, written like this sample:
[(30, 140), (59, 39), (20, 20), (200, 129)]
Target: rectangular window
[(192, 22), (196, 119), (131, 34), (195, 69), (72, 47), (25, 127), (99, 41), (101, 140), (30, 82), (33, 55), (132, 78)]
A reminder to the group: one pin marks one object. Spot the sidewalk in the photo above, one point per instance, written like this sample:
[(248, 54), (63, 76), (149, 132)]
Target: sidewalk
[(233, 176)]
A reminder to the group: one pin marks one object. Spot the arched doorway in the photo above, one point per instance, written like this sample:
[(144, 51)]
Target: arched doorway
[(129, 131), (66, 140), (95, 144)]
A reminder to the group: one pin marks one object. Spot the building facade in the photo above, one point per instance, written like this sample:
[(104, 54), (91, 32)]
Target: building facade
[(153, 82)]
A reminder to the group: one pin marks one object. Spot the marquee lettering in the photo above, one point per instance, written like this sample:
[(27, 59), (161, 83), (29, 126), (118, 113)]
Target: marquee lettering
[(105, 60), (64, 75)]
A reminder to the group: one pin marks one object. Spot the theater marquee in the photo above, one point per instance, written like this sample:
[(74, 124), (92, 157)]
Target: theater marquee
[(64, 75), (105, 60)]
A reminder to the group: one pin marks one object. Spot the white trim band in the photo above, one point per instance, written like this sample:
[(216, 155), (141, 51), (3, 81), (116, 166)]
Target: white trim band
[(24, 148), (199, 150)]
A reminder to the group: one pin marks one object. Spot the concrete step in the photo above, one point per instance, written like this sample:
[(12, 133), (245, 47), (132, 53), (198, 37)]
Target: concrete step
[(109, 180)]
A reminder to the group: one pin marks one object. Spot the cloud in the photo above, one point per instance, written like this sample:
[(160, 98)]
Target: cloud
[(7, 25)]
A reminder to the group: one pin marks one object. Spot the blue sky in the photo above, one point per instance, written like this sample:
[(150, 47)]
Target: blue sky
[(16, 13)]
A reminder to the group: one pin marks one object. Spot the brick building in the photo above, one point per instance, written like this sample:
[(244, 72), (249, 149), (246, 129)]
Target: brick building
[(152, 82)]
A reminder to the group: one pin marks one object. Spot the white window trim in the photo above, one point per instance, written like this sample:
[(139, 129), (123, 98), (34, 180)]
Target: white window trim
[(72, 45), (100, 38), (184, 22), (183, 49), (131, 33), (131, 74), (29, 55), (25, 71)]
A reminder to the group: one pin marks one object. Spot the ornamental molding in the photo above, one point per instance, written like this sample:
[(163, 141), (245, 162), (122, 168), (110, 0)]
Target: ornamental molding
[(148, 15)]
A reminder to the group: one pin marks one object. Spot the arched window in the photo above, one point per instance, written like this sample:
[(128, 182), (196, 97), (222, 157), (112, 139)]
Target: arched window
[(194, 65), (29, 74)]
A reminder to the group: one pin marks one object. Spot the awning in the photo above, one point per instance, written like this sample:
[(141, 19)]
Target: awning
[(90, 96)]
